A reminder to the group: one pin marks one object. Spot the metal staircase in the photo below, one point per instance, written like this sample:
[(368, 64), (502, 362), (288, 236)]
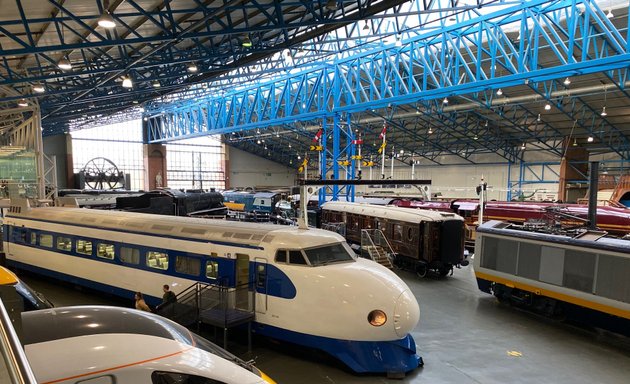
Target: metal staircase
[(216, 305), (374, 245)]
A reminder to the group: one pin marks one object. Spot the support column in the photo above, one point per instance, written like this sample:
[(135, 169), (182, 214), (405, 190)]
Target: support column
[(154, 166), (573, 172)]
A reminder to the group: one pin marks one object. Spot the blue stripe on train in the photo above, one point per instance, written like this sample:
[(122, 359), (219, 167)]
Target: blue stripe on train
[(396, 356), (124, 293)]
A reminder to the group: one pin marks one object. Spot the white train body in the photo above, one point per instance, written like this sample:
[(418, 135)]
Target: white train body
[(322, 302), (118, 345)]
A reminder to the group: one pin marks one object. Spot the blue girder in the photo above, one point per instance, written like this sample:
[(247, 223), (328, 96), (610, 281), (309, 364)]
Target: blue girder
[(465, 57)]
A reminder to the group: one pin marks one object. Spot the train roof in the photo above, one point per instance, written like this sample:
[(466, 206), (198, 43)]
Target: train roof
[(587, 239), (212, 230), (391, 212), (70, 342)]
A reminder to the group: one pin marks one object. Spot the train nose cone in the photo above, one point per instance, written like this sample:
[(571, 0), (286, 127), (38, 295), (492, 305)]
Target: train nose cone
[(406, 313)]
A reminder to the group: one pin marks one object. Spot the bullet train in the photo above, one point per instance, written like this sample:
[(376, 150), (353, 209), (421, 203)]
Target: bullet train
[(582, 277), (119, 345), (31, 299), (309, 287)]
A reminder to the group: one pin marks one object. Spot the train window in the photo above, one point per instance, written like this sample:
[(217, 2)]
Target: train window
[(187, 265), (212, 269), (529, 260), (45, 240), (64, 243), (33, 238), (130, 255), (157, 260), (329, 254), (106, 379), (397, 232), (410, 233), (296, 257), (281, 256), (158, 377), (84, 247), (105, 251)]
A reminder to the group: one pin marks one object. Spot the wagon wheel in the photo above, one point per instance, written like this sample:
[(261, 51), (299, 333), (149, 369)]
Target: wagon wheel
[(421, 270), (101, 173), (444, 270)]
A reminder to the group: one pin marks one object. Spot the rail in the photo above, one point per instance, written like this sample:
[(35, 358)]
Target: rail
[(14, 364)]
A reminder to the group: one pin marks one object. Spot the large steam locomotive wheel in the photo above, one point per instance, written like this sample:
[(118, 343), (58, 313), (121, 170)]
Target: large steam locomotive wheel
[(101, 173)]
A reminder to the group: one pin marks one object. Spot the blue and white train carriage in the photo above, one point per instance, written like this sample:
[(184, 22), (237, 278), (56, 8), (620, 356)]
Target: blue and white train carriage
[(310, 288)]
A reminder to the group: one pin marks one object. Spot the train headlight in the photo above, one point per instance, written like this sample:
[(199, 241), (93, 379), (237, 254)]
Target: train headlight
[(377, 318)]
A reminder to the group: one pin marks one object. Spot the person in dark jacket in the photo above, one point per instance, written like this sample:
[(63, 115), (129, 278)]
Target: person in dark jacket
[(167, 298)]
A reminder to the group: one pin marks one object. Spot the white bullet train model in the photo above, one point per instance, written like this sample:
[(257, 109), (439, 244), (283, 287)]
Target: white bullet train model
[(309, 287), (99, 344)]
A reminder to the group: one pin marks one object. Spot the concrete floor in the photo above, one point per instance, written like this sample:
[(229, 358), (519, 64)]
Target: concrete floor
[(465, 336)]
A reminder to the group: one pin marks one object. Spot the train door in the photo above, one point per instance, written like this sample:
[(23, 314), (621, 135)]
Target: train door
[(260, 285), (242, 281)]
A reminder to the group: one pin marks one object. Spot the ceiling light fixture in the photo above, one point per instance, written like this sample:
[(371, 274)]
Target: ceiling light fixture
[(523, 146), (590, 139), (547, 107), (127, 83), (64, 64), (39, 88), (499, 92), (604, 113), (156, 84), (192, 68), (398, 40), (609, 14), (476, 137), (247, 42), (567, 82), (430, 130), (106, 20), (538, 118), (575, 142), (445, 101), (366, 27), (23, 103)]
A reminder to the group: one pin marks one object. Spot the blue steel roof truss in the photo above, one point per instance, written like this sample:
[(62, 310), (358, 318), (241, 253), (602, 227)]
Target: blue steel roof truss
[(466, 60)]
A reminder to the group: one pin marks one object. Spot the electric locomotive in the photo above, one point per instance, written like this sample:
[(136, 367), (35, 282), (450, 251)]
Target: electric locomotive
[(582, 275)]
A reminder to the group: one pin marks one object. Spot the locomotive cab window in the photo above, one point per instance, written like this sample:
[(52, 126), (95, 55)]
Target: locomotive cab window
[(333, 253), (158, 377), (296, 257), (105, 251), (157, 260), (281, 256)]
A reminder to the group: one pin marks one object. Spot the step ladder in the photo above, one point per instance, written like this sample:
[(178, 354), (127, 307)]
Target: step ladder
[(374, 245)]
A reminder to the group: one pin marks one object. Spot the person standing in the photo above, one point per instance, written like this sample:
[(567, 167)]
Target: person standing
[(168, 297), (140, 304)]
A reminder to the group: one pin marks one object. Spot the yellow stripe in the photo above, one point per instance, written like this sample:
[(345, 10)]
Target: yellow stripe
[(556, 295), (235, 206)]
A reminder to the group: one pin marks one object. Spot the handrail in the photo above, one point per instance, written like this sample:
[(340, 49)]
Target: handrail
[(391, 252), (15, 361)]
